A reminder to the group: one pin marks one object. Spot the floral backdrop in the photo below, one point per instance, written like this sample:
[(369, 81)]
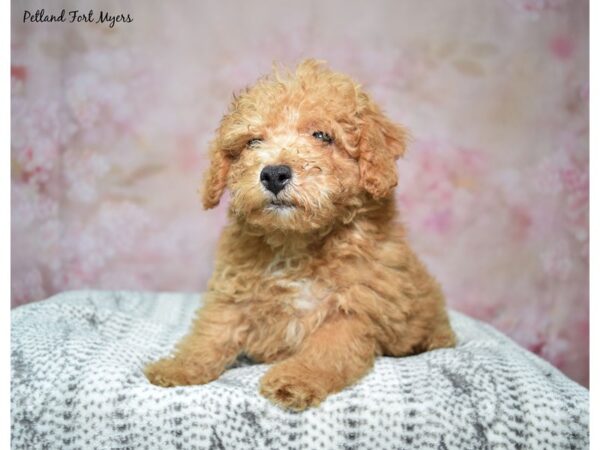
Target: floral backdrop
[(110, 128)]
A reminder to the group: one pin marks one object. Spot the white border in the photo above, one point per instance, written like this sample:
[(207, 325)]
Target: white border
[(594, 225), (5, 17), (5, 223)]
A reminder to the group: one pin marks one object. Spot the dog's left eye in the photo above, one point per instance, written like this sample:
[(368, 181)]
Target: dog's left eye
[(322, 136), (253, 142)]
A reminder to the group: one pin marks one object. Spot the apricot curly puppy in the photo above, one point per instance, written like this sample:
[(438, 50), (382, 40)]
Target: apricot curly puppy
[(312, 273)]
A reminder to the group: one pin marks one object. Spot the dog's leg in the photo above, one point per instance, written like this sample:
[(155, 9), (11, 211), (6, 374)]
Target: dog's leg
[(214, 341), (336, 355)]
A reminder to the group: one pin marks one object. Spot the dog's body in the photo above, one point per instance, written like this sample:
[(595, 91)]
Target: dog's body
[(312, 273)]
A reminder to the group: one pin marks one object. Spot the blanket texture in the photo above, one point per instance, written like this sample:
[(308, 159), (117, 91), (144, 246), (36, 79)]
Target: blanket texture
[(77, 382)]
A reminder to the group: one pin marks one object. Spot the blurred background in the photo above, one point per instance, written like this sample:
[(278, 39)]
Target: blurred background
[(110, 129)]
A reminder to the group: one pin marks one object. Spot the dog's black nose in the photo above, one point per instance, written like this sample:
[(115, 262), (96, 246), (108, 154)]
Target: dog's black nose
[(274, 178)]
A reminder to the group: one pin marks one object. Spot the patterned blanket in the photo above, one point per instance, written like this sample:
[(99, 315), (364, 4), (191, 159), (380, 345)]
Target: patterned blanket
[(77, 382)]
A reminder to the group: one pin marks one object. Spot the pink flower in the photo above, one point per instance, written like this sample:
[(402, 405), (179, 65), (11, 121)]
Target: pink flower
[(562, 47)]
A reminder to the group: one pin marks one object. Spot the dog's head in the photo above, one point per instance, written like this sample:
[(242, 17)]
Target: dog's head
[(300, 151)]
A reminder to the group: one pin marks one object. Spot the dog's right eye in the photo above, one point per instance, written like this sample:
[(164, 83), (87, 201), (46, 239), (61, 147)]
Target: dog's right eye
[(253, 142)]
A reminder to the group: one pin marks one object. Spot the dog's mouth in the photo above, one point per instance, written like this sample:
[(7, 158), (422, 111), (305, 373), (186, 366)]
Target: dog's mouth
[(280, 205)]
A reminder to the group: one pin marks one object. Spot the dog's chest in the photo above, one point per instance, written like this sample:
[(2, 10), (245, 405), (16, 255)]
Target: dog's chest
[(283, 321), (298, 295), (296, 284), (285, 302)]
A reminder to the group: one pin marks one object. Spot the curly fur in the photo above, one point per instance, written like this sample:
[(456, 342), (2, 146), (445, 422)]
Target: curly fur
[(322, 281)]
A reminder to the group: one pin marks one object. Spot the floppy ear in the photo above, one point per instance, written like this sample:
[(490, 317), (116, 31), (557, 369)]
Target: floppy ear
[(215, 178), (381, 144)]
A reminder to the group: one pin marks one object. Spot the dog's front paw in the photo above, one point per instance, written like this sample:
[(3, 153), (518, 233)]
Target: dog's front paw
[(288, 388), (166, 372), (169, 372)]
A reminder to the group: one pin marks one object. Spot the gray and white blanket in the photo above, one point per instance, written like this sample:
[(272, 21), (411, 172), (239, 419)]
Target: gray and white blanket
[(77, 383)]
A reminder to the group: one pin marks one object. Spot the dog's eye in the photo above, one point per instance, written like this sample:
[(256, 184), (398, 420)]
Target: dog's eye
[(253, 142), (322, 136)]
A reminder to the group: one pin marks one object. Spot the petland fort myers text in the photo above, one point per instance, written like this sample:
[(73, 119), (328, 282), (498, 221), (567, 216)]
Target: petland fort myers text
[(76, 16)]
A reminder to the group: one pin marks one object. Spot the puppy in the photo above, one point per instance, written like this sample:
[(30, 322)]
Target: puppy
[(313, 274)]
